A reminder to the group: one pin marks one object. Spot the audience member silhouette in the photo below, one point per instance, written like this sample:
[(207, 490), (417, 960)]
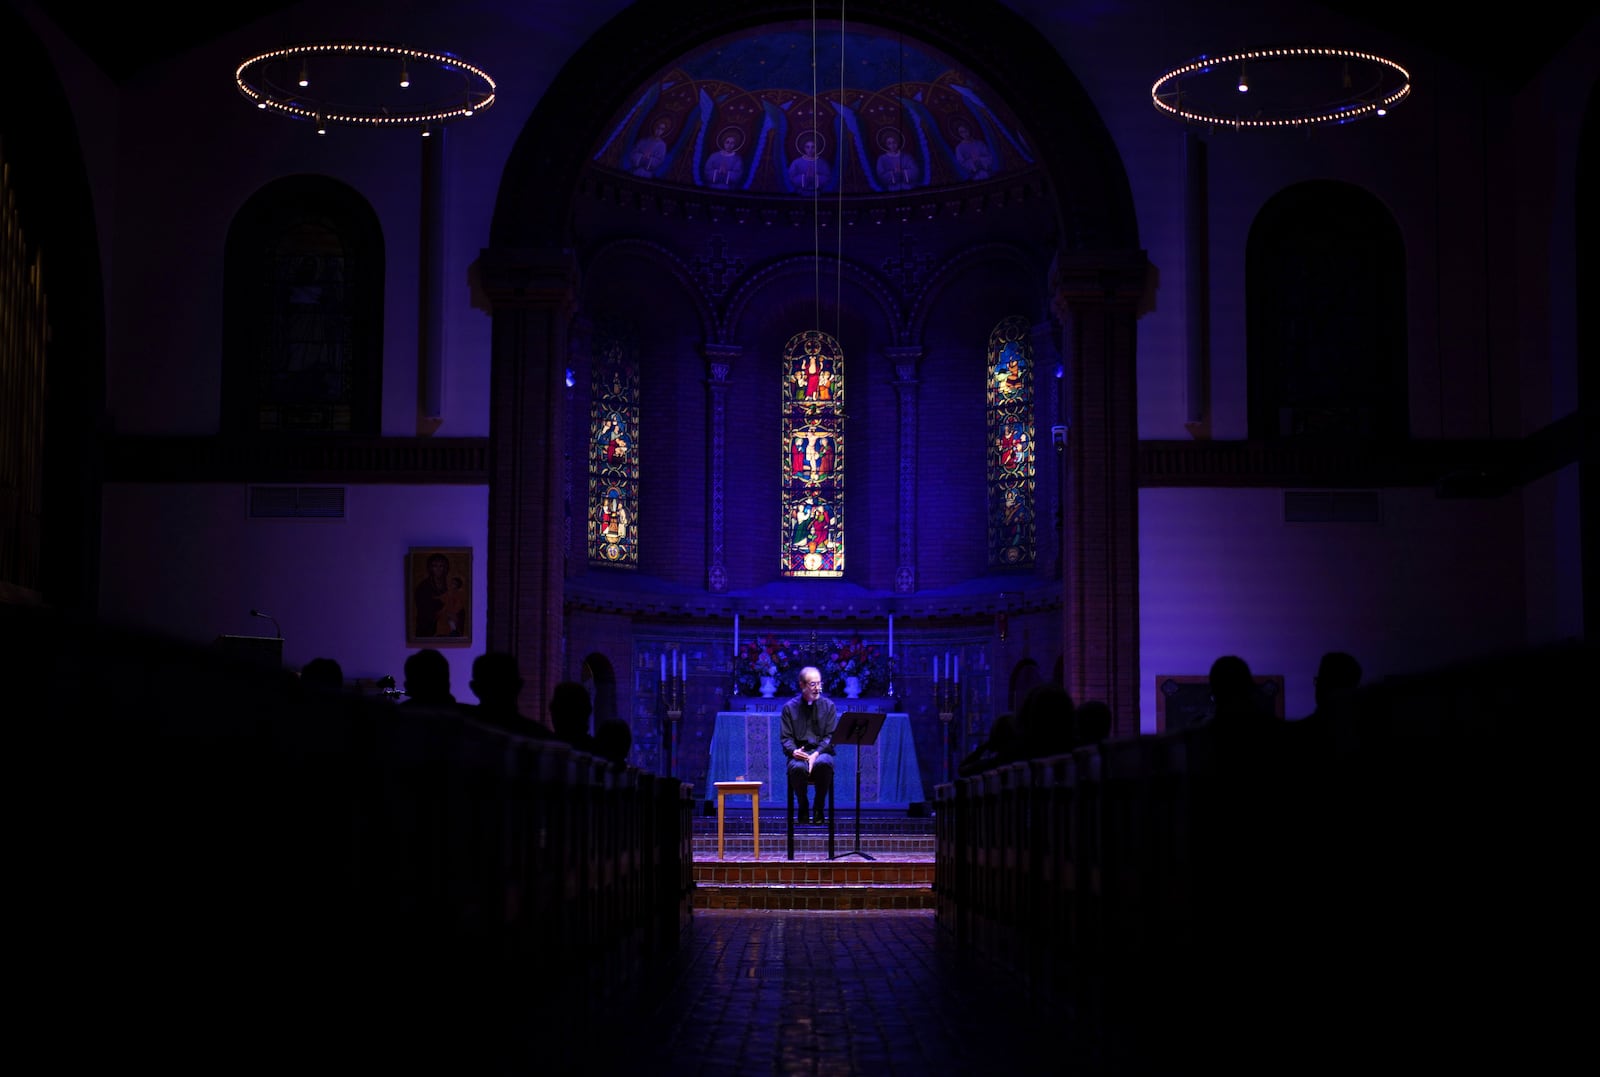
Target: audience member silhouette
[(427, 681), (1045, 721), (1335, 686), (1338, 677), (322, 675), (614, 736), (1236, 702), (1004, 745), (569, 715), (1092, 722), (497, 682)]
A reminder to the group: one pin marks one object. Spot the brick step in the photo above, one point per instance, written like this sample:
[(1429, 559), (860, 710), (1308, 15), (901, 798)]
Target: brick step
[(896, 871), (811, 843), (849, 882)]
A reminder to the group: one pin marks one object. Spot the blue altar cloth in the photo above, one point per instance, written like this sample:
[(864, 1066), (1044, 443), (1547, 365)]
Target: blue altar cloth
[(744, 746)]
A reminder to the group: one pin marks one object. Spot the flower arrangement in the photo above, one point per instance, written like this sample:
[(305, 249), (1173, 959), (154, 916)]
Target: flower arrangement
[(766, 657), (855, 658), (770, 656)]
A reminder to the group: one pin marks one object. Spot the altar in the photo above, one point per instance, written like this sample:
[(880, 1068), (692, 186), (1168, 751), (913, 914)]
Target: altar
[(745, 746)]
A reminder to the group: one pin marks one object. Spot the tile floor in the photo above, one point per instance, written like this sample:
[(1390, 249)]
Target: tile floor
[(875, 993)]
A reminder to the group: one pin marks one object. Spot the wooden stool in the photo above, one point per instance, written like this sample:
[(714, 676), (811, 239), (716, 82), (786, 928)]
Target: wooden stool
[(734, 789)]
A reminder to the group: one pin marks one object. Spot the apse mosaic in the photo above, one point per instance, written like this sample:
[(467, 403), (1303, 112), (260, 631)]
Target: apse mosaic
[(876, 114), (613, 531), (813, 456), (1012, 461)]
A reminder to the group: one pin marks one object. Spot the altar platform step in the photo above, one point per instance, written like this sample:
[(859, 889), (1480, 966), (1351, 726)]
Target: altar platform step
[(899, 874)]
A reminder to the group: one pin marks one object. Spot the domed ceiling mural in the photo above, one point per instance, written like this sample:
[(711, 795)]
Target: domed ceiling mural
[(874, 114)]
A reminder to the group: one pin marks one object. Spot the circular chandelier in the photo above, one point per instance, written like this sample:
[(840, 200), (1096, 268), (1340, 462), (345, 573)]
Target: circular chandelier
[(1282, 87), (365, 84)]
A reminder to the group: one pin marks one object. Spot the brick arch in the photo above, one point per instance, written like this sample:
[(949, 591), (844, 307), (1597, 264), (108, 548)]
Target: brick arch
[(530, 273)]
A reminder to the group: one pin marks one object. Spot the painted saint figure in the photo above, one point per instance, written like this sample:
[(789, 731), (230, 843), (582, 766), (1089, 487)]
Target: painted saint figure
[(809, 173), (972, 155), (725, 166), (651, 150), (897, 169)]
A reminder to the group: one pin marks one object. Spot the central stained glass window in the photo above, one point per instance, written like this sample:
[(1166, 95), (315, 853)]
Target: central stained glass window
[(813, 456)]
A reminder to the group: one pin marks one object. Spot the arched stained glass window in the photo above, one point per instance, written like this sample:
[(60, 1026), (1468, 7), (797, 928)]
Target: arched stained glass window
[(1013, 535), (614, 446), (813, 455), (304, 312)]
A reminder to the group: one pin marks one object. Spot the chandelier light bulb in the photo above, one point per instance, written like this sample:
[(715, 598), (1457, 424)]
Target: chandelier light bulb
[(304, 80)]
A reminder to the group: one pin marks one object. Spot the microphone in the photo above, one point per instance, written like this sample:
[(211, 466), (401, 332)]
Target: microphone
[(268, 616)]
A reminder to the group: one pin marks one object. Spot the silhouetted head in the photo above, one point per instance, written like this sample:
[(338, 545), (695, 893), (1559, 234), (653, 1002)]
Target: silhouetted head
[(1003, 735), (1234, 695), (323, 674), (1045, 720), (428, 677), (1231, 681), (1338, 676), (569, 710), (496, 680), (1093, 721), (615, 739)]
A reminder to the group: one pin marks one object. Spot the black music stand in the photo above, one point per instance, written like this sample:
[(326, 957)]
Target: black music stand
[(859, 728)]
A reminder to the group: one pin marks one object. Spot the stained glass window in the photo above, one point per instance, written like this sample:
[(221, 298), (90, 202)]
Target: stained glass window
[(613, 533), (304, 312), (306, 373), (1013, 536), (813, 456)]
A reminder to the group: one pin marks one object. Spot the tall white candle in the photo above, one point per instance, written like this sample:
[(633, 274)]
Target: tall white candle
[(891, 635), (736, 635), (935, 669), (663, 666), (955, 670)]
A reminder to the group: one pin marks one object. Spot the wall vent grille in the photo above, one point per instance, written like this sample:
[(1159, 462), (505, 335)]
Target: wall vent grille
[(297, 502)]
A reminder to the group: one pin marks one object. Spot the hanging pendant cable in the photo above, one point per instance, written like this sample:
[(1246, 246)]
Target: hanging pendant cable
[(838, 217), (816, 194)]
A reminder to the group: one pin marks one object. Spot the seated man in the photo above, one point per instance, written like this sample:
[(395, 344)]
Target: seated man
[(806, 730)]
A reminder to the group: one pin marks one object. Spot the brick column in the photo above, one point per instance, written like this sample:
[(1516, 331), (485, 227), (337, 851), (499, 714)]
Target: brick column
[(719, 360), (1097, 300), (905, 362), (533, 296)]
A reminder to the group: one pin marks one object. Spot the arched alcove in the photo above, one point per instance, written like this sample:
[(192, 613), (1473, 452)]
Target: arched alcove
[(1059, 228)]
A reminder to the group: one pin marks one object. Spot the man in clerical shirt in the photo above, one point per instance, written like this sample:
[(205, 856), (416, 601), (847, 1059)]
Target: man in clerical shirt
[(805, 729)]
